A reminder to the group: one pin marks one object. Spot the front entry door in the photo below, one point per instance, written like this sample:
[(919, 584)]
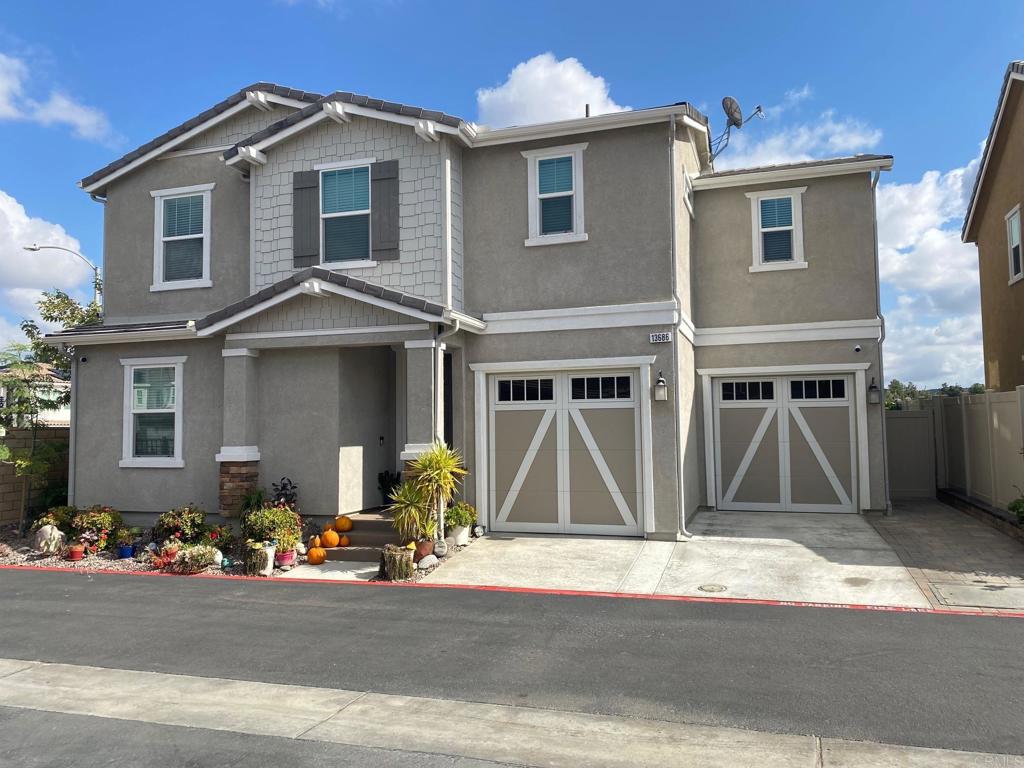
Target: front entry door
[(565, 454), (785, 444)]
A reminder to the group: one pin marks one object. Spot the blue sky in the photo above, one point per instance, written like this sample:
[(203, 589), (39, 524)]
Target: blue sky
[(81, 83)]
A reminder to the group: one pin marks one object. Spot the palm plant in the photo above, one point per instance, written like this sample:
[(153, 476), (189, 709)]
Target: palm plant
[(438, 472), (411, 513)]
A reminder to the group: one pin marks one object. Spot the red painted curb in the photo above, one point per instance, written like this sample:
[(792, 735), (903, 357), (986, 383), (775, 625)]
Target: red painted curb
[(994, 612)]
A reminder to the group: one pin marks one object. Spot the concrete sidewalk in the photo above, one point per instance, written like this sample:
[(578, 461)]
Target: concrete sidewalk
[(459, 729), (818, 558)]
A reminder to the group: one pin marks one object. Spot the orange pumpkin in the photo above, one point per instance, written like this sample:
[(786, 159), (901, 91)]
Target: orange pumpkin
[(330, 538), (328, 526), (343, 524), (343, 541), (314, 542), (316, 555)]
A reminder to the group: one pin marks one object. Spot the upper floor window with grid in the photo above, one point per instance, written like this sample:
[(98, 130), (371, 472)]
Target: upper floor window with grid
[(181, 257), (345, 214)]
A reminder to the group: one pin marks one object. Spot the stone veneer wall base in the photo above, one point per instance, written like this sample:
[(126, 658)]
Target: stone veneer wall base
[(237, 478)]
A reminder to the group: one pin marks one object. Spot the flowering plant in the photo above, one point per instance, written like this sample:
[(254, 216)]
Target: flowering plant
[(93, 525), (185, 524)]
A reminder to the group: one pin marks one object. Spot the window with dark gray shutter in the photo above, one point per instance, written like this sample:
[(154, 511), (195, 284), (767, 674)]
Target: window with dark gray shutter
[(305, 218), (345, 212), (384, 215)]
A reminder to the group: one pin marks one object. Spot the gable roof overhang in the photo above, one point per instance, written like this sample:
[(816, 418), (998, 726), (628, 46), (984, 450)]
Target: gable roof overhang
[(258, 95), (771, 174), (1014, 75)]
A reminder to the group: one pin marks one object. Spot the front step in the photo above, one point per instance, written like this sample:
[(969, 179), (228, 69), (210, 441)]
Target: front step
[(370, 529)]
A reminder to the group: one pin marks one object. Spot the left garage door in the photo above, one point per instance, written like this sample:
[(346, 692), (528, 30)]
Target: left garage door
[(565, 452)]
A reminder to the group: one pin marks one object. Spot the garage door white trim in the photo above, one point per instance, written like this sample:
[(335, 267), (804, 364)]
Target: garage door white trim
[(481, 461), (859, 407)]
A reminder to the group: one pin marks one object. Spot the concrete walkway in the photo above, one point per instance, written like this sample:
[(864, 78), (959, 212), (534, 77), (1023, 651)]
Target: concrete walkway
[(818, 558), (511, 735)]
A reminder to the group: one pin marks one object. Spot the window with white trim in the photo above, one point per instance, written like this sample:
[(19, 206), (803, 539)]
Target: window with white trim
[(152, 427), (1013, 245), (181, 238), (601, 387), (526, 390), (776, 218), (733, 391), (817, 389), (555, 189), (345, 214)]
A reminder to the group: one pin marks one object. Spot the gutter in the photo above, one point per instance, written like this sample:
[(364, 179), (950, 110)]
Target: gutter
[(881, 338), (72, 430)]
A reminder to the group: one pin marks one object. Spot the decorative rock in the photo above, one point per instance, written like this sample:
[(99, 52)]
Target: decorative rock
[(300, 548), (49, 539), (428, 562), (440, 548), (218, 558)]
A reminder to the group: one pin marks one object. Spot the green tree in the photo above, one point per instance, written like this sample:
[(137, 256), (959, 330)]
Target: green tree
[(977, 389), (897, 392), (950, 390)]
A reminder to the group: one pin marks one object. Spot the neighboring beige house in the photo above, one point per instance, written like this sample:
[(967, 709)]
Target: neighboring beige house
[(50, 389), (993, 222), (613, 334)]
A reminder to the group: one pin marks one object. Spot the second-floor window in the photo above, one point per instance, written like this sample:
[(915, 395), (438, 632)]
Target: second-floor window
[(555, 195), (1013, 245), (345, 214), (776, 221), (181, 248)]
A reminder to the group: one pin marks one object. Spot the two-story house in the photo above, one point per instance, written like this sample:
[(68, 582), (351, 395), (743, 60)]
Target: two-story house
[(993, 222), (614, 335)]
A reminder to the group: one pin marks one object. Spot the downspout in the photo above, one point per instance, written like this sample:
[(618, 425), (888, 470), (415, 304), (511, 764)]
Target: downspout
[(677, 332), (439, 398), (881, 338), (72, 431)]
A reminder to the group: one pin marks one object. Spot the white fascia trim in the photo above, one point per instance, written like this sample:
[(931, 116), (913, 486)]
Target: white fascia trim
[(314, 332), (238, 453), (580, 318), (239, 352), (972, 206), (167, 147), (280, 136), (485, 137), (174, 334), (197, 151), (526, 366), (790, 174), (781, 370), (466, 322), (791, 332), (284, 101)]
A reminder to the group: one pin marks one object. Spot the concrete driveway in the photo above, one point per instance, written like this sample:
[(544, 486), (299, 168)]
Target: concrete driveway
[(825, 558)]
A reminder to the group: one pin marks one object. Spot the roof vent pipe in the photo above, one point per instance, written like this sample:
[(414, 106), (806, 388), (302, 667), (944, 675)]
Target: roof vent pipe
[(586, 110)]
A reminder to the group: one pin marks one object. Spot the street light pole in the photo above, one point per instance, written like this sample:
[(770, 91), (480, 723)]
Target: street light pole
[(95, 270)]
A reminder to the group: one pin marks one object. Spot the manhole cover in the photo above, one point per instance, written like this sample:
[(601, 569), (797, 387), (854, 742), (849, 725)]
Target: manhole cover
[(712, 587)]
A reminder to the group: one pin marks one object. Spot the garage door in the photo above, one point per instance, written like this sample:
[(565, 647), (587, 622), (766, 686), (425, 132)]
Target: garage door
[(785, 444), (565, 453)]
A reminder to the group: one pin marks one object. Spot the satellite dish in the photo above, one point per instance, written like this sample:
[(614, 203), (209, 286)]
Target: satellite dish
[(733, 113)]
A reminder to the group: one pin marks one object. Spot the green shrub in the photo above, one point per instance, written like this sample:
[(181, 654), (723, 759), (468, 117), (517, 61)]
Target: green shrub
[(58, 516), (185, 524), (279, 523), (219, 537), (460, 514), (193, 559), (95, 525)]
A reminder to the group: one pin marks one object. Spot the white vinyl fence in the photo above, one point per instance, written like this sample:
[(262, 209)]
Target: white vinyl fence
[(978, 444)]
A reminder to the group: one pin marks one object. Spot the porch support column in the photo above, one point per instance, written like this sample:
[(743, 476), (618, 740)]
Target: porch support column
[(423, 416), (239, 454)]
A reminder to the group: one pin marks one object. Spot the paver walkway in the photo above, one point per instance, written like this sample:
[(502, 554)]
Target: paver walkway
[(957, 561)]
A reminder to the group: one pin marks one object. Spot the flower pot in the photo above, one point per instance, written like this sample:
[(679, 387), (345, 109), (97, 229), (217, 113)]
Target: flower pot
[(125, 551), (423, 548), (75, 553), (460, 534), (284, 558)]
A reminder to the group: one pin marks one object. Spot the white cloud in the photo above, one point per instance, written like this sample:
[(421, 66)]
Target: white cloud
[(544, 89), (85, 122), (792, 98), (24, 275)]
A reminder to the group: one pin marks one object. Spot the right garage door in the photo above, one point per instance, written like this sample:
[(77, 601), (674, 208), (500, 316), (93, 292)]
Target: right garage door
[(785, 444)]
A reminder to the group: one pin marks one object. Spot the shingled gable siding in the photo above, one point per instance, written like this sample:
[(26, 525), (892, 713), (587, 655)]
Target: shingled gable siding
[(420, 269), (233, 130), (304, 313)]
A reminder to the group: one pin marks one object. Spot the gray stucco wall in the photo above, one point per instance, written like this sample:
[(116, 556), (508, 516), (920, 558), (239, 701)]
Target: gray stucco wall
[(838, 283), (613, 342), (128, 245), (241, 126), (313, 313), (99, 415), (753, 355), (419, 270), (626, 183), (367, 426)]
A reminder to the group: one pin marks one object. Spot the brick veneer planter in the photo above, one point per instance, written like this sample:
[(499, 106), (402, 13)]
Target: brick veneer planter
[(237, 478)]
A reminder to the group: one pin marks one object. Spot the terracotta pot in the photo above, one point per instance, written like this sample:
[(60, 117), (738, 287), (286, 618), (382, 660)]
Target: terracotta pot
[(423, 548), (76, 553), (284, 558)]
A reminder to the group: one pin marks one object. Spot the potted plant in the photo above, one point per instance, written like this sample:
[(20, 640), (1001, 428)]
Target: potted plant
[(75, 551), (438, 472), (460, 516), (124, 540), (386, 482), (184, 524), (413, 518), (94, 525), (277, 523)]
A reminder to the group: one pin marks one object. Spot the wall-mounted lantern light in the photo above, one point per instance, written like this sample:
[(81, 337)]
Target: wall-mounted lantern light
[(874, 393), (661, 387)]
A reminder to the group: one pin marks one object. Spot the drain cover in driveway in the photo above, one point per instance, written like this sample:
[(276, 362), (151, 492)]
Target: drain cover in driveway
[(712, 587), (975, 596)]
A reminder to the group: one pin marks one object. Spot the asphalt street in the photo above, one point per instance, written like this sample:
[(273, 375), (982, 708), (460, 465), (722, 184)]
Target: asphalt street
[(954, 682)]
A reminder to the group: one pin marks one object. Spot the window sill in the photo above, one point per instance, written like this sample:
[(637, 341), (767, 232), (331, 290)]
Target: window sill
[(151, 463), (180, 285), (355, 264), (570, 237), (1015, 279), (778, 266)]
